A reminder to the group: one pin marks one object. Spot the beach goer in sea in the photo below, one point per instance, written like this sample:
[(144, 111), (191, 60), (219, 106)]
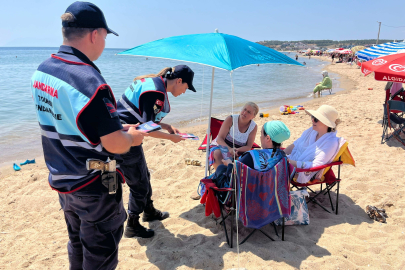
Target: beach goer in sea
[(273, 133), (325, 84), (146, 99), (238, 128), (317, 145), (77, 115), (296, 57)]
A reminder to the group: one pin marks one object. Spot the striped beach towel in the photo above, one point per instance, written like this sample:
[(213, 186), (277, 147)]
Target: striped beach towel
[(263, 197)]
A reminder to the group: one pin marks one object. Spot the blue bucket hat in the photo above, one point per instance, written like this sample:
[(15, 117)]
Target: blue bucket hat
[(277, 131)]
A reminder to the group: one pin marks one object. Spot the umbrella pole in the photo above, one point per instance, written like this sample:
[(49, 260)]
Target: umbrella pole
[(209, 126)]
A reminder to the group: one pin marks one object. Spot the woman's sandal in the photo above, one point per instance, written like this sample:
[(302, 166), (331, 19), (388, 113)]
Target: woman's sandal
[(196, 162), (193, 162)]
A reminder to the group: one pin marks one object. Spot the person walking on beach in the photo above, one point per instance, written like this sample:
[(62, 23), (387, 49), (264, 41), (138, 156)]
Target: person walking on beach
[(81, 132), (146, 100), (325, 84)]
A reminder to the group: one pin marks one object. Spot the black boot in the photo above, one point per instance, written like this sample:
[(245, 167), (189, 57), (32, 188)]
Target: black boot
[(135, 229), (151, 214)]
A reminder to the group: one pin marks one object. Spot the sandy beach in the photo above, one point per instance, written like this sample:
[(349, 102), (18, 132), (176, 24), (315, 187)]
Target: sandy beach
[(33, 232)]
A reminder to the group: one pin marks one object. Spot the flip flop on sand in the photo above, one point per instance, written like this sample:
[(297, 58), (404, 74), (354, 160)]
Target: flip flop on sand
[(193, 162), (28, 162), (16, 167), (196, 162), (378, 214)]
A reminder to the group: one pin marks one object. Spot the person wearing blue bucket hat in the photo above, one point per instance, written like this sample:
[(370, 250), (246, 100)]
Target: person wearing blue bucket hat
[(81, 132), (272, 135)]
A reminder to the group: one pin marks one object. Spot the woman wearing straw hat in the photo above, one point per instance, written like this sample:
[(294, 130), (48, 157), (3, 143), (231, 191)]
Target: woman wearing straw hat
[(318, 145)]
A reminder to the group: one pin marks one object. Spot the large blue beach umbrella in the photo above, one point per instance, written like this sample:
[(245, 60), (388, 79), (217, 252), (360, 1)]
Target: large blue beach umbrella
[(213, 49)]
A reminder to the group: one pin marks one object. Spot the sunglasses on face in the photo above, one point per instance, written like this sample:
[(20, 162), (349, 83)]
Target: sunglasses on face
[(315, 119)]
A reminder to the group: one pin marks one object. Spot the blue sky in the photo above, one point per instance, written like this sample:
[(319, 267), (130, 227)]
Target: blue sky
[(37, 23)]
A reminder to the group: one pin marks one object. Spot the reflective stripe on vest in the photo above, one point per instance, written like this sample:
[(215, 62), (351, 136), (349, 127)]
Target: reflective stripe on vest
[(61, 90), (55, 135), (129, 103)]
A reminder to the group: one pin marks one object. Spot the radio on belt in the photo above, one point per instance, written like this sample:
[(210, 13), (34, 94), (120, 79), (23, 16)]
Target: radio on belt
[(108, 172)]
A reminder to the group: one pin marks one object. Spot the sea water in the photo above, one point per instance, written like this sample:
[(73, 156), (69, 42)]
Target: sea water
[(267, 85)]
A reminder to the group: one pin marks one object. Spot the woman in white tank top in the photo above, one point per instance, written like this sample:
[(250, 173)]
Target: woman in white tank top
[(238, 131)]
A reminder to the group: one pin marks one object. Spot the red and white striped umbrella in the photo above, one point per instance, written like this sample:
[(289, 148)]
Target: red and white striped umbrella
[(346, 51), (390, 68)]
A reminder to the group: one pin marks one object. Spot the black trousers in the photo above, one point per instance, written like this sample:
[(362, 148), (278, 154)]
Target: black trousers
[(137, 177), (95, 222)]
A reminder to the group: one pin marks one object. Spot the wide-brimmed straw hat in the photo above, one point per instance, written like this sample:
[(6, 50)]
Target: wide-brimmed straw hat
[(326, 114)]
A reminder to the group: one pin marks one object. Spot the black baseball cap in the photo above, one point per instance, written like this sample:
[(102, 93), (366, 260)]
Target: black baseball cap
[(87, 15), (186, 74)]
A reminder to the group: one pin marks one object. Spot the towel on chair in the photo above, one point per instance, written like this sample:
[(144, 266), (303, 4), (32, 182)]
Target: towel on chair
[(211, 201), (263, 197)]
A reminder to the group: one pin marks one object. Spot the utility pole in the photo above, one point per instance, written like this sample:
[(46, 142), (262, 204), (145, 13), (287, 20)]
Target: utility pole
[(378, 37)]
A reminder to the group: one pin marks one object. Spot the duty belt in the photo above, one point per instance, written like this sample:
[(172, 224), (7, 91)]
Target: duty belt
[(108, 172)]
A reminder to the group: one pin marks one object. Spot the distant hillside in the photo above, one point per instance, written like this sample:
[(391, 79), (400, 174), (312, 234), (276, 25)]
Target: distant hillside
[(327, 43)]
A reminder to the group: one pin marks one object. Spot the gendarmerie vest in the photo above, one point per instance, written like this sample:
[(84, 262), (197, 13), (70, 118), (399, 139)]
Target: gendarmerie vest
[(62, 87), (128, 105)]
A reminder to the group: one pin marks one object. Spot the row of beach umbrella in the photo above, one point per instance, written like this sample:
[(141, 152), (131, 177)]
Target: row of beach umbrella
[(381, 50), (366, 54)]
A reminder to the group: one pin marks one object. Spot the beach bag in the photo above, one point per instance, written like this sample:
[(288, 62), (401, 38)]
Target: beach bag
[(299, 209)]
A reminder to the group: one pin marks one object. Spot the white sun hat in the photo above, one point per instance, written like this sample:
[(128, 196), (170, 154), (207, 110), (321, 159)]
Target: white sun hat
[(326, 114)]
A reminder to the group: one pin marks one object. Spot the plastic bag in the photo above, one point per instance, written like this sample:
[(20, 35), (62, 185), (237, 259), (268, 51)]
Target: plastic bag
[(299, 209)]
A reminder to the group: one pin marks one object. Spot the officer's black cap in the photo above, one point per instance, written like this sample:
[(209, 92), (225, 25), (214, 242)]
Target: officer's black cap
[(186, 74), (87, 15)]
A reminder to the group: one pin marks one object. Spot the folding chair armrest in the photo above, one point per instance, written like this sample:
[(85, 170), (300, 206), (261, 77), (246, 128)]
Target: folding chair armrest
[(210, 184), (206, 181), (221, 189), (318, 168)]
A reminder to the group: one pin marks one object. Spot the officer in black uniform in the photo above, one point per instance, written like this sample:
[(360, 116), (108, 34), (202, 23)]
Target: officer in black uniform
[(81, 132), (146, 100)]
